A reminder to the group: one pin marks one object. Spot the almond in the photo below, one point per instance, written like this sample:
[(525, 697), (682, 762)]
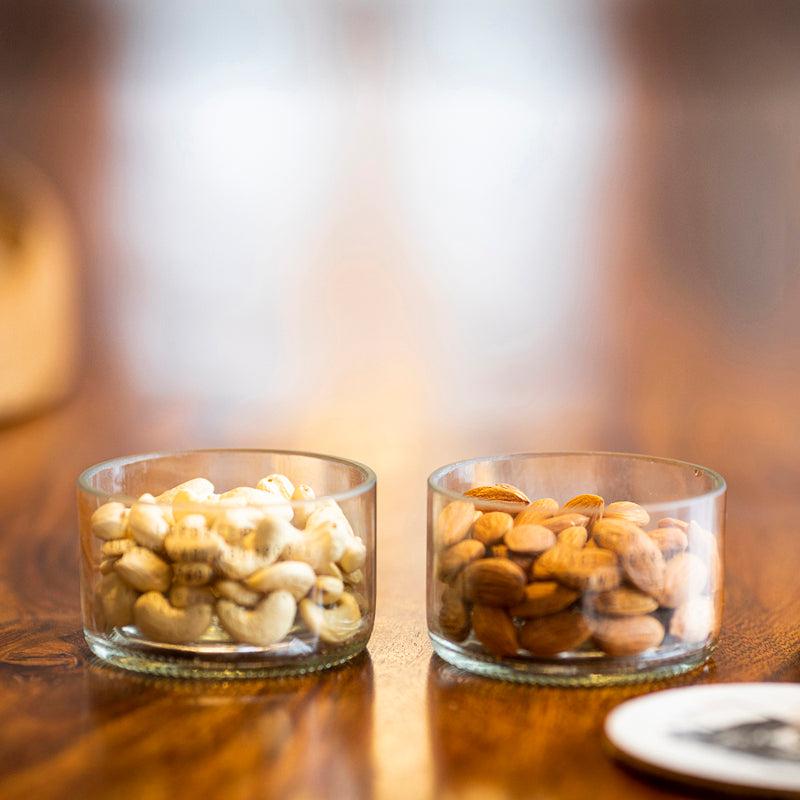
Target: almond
[(455, 558), (543, 598), (684, 577), (627, 636), (624, 509), (590, 505), (530, 539), (492, 527), (562, 558), (615, 534), (538, 510), (454, 616), (671, 522), (499, 491), (558, 633), (562, 521), (669, 540), (575, 536), (587, 570), (623, 602), (454, 522), (495, 630), (694, 620), (494, 582), (644, 564), (704, 545)]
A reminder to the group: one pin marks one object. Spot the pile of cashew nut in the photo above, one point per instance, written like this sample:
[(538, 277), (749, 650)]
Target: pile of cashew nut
[(179, 564)]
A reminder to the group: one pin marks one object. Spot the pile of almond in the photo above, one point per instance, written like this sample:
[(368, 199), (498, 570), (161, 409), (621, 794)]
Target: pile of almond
[(584, 576)]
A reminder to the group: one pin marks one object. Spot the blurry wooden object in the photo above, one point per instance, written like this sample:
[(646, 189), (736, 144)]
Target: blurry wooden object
[(38, 315)]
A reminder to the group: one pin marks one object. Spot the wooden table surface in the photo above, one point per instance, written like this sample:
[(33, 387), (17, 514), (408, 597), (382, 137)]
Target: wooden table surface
[(397, 722), (674, 332)]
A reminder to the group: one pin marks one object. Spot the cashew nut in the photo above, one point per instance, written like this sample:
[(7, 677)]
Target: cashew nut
[(232, 524), (193, 573), (329, 510), (237, 593), (354, 578), (189, 502), (199, 486), (273, 535), (355, 554), (193, 544), (327, 589), (301, 512), (237, 563), (318, 548), (107, 566), (158, 620), (114, 548), (182, 596), (268, 623), (148, 525), (331, 569), (117, 599), (109, 521), (296, 577), (248, 496), (333, 625), (277, 481), (144, 570)]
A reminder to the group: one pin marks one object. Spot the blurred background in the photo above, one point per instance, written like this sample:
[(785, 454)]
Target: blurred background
[(402, 232)]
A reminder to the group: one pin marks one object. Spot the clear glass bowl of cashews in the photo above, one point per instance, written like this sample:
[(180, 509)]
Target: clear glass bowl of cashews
[(575, 568), (227, 563)]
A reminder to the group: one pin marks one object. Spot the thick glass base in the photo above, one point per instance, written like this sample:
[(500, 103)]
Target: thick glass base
[(219, 663), (592, 671)]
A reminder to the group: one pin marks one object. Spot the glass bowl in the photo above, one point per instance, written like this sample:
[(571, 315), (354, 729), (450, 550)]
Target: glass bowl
[(227, 563), (575, 568)]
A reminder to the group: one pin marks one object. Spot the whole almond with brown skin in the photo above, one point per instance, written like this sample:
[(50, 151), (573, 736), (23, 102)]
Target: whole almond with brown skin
[(576, 536), (590, 505), (669, 540), (644, 564), (499, 491), (547, 597), (538, 510), (562, 521), (623, 602), (563, 559), (615, 534), (671, 522), (627, 636), (684, 577), (557, 633), (523, 562), (454, 522), (492, 527), (494, 582), (454, 616), (502, 551), (587, 570), (495, 630), (529, 539), (625, 509), (694, 621), (455, 558)]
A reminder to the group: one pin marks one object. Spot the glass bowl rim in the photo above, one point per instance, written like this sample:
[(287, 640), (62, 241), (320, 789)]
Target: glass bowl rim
[(369, 479), (719, 488)]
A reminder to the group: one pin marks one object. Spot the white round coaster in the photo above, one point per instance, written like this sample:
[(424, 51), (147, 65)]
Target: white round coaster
[(734, 736)]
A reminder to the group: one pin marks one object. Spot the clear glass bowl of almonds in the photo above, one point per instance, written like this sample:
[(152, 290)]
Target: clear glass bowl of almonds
[(575, 568), (227, 563)]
